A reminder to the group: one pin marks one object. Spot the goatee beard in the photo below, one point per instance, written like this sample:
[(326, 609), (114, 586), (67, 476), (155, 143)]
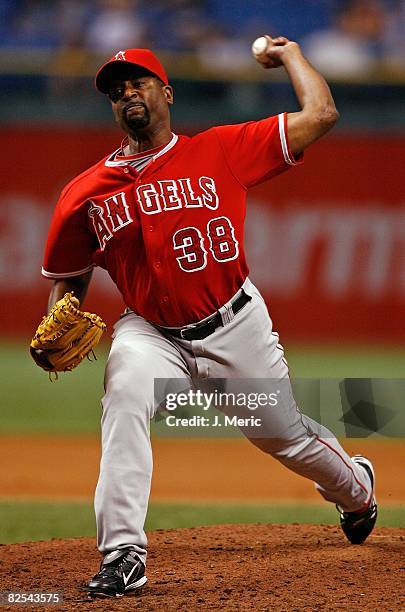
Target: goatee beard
[(137, 123)]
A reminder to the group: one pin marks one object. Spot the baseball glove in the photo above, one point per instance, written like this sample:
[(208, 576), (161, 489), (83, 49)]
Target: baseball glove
[(65, 336)]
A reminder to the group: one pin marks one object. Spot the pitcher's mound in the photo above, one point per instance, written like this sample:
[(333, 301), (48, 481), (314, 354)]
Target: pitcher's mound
[(231, 567)]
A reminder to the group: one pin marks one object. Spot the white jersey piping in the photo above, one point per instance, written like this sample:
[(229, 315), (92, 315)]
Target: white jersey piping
[(57, 275), (111, 162), (288, 158)]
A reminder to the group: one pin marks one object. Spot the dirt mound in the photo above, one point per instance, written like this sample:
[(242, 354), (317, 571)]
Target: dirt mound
[(232, 567)]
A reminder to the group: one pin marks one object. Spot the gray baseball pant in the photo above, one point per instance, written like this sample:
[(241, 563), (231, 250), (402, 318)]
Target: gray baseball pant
[(244, 348)]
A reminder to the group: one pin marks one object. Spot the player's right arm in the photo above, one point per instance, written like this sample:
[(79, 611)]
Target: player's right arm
[(69, 249), (77, 284), (70, 246)]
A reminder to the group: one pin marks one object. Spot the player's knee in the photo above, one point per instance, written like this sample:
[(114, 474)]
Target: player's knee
[(128, 398)]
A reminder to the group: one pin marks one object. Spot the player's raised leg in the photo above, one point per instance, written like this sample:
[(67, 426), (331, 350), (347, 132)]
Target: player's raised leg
[(297, 441)]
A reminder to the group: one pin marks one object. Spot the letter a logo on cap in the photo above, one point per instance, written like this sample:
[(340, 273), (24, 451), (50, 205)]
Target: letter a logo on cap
[(139, 58), (120, 56)]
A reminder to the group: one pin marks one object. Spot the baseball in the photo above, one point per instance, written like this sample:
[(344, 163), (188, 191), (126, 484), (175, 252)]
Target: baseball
[(259, 47)]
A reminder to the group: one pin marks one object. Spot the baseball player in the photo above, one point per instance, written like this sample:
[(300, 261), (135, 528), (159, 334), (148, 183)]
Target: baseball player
[(164, 215)]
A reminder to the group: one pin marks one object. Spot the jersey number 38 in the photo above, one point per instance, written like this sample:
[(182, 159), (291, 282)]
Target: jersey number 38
[(222, 244)]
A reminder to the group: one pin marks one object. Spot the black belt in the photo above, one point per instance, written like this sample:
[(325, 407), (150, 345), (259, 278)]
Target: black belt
[(199, 331)]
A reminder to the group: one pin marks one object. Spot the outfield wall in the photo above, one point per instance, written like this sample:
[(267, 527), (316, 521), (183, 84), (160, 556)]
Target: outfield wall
[(325, 241)]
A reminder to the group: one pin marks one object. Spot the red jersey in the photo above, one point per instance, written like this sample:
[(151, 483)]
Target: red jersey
[(170, 235)]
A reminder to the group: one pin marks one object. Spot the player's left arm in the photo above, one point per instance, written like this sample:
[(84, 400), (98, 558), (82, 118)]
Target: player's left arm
[(318, 112)]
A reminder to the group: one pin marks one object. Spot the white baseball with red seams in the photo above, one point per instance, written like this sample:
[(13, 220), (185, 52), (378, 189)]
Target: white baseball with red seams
[(259, 46)]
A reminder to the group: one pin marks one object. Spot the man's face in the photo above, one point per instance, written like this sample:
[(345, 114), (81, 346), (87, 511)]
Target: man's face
[(140, 102)]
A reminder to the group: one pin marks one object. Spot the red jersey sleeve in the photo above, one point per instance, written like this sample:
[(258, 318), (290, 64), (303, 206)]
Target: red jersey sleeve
[(70, 245), (257, 150)]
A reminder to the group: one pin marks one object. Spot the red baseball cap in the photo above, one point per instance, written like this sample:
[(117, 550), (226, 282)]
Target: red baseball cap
[(141, 58)]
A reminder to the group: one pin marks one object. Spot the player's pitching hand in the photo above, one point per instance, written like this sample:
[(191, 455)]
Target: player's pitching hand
[(270, 52)]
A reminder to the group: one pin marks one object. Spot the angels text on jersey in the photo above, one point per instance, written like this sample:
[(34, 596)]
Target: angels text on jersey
[(191, 245)]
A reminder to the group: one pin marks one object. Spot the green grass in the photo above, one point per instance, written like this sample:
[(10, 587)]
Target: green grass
[(71, 405), (346, 361), (29, 521), (32, 404)]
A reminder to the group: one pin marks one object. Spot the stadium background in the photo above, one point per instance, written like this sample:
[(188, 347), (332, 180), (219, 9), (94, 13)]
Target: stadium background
[(325, 241)]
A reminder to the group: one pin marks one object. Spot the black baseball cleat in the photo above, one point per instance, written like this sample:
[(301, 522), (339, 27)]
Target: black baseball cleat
[(357, 526), (121, 572)]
